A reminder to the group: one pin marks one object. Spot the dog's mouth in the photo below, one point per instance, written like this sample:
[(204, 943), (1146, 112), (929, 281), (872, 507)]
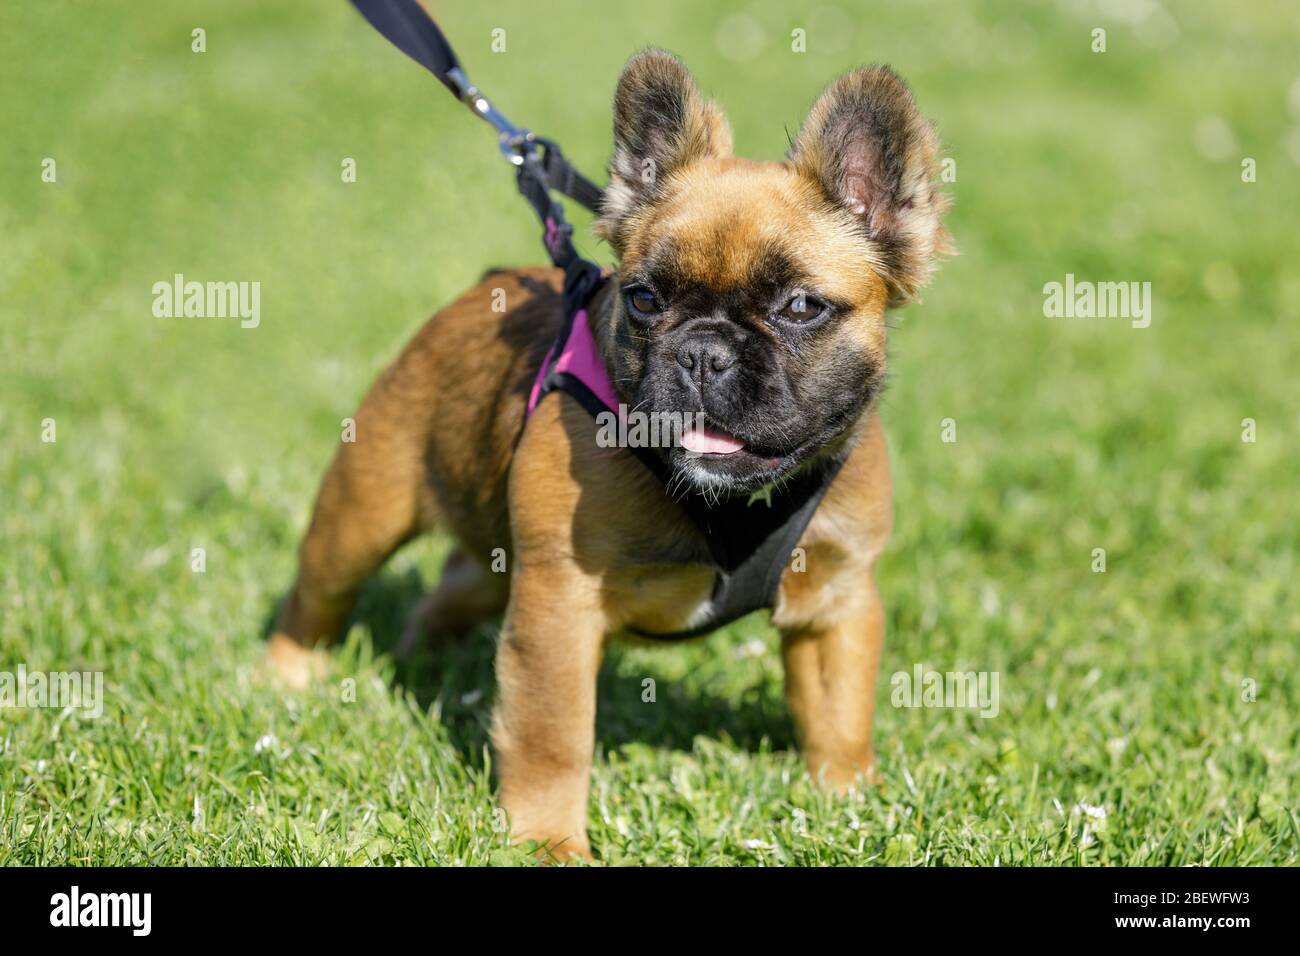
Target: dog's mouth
[(704, 440), (721, 461)]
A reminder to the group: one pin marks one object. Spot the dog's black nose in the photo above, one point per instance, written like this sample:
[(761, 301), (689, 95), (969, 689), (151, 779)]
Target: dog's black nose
[(706, 358)]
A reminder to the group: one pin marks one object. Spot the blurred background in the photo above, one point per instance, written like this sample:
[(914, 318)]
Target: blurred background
[(1121, 690)]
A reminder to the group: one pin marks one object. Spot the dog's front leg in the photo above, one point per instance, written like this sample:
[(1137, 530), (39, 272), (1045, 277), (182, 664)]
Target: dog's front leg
[(830, 674), (544, 726)]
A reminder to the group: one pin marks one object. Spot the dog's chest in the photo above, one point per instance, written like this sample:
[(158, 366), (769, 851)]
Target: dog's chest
[(661, 598)]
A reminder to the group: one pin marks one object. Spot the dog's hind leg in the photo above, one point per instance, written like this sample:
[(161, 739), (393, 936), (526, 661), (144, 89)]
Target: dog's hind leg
[(369, 504), (468, 593)]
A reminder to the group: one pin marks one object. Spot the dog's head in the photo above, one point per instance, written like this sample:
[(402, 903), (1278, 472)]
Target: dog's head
[(755, 292)]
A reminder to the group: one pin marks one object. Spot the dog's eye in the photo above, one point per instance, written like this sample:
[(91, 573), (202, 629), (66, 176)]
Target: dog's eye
[(642, 302), (803, 308)]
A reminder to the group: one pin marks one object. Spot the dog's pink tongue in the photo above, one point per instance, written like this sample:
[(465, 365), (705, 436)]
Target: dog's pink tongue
[(705, 441)]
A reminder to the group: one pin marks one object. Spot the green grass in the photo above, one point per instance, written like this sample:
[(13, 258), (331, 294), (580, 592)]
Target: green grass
[(1120, 691)]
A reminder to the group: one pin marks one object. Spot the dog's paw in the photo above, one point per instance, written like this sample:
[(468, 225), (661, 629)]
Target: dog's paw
[(291, 665), (841, 775), (554, 850)]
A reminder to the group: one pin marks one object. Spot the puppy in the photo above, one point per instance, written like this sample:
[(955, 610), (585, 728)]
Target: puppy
[(785, 270)]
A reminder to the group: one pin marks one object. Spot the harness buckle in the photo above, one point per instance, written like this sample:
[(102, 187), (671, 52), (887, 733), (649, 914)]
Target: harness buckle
[(517, 147)]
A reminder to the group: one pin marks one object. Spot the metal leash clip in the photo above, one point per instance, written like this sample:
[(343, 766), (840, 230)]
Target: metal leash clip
[(513, 141)]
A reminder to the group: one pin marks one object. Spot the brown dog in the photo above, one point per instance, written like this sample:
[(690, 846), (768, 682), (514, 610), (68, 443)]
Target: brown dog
[(775, 277)]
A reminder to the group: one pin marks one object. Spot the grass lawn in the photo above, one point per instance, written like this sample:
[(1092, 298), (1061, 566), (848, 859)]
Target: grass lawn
[(1148, 715)]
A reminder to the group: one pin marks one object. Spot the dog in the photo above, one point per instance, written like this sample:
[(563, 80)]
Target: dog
[(751, 292)]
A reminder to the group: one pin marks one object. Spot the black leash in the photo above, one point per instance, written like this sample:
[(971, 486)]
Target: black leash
[(539, 164)]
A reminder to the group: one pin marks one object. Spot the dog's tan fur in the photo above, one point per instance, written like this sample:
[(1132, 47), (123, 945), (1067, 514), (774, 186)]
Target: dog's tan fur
[(594, 546)]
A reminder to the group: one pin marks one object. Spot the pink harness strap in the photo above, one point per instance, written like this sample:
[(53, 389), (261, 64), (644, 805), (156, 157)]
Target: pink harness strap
[(581, 358)]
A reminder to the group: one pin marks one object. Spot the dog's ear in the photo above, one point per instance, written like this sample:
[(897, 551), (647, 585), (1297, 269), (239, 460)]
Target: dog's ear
[(661, 125), (874, 156)]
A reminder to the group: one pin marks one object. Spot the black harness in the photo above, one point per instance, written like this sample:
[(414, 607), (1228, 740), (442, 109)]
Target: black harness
[(750, 539)]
